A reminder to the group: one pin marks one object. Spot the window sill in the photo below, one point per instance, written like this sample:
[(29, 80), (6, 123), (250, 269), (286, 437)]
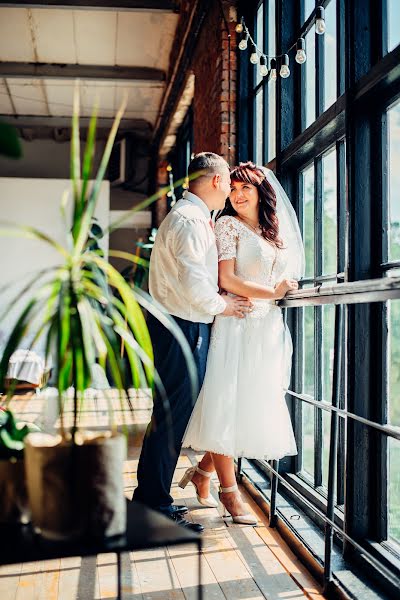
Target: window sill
[(307, 541)]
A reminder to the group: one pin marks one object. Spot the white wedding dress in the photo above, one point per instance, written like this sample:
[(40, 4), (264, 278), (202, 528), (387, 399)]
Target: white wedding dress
[(241, 409)]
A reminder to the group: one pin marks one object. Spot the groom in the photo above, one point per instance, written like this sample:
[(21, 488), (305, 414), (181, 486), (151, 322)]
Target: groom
[(184, 280)]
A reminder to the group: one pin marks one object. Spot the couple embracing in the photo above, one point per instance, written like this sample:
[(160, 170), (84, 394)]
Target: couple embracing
[(220, 284)]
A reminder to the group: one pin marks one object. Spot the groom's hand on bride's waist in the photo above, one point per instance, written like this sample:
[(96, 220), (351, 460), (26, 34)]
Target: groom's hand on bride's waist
[(237, 306)]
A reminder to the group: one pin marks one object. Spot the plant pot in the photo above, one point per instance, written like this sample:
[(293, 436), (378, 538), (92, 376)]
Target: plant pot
[(13, 495), (76, 489)]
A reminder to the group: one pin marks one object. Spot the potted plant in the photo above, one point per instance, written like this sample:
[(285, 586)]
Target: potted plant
[(86, 310), (13, 494)]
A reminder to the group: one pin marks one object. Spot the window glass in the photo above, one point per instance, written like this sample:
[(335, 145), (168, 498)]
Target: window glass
[(329, 212), (393, 20), (393, 123), (308, 225), (271, 89), (330, 55), (308, 388), (271, 28), (309, 6), (309, 73), (259, 39), (259, 129), (394, 490)]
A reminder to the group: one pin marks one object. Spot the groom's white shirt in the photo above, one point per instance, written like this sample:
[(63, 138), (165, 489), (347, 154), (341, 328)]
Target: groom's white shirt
[(184, 263)]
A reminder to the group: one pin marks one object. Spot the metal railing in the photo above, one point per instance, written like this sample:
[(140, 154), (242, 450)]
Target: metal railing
[(340, 294)]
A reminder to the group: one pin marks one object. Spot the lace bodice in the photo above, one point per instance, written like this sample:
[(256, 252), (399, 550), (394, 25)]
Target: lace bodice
[(256, 259)]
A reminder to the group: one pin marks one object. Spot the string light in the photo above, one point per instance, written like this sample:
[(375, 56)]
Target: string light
[(243, 42), (171, 191), (239, 28), (273, 74), (254, 57), (285, 71), (263, 66), (257, 55), (301, 56), (320, 26)]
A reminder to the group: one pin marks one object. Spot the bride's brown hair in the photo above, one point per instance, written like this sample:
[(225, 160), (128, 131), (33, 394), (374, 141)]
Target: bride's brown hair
[(248, 172)]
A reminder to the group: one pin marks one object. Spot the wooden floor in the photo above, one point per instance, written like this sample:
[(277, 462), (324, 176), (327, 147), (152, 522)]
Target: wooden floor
[(239, 562)]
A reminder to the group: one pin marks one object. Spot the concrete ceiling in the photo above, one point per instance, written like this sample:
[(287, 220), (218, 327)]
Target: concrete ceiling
[(112, 51)]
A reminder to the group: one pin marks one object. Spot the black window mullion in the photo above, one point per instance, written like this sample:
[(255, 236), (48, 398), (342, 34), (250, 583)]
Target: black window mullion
[(340, 47), (265, 87), (342, 209), (379, 191), (244, 112), (298, 345), (341, 268), (318, 358), (256, 90), (379, 30), (358, 152), (384, 28)]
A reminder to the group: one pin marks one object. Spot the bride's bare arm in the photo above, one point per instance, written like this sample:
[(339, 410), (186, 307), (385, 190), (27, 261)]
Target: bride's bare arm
[(230, 282)]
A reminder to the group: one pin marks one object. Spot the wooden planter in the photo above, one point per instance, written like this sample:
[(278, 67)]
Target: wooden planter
[(13, 494), (76, 490)]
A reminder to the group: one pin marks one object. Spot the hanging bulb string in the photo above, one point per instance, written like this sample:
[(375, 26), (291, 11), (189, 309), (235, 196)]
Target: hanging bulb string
[(246, 32), (258, 55)]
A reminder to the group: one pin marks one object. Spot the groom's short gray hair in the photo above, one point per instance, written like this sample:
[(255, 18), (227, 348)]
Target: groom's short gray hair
[(207, 163)]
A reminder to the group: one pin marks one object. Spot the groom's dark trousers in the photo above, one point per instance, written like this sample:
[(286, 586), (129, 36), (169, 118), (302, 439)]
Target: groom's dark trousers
[(163, 439)]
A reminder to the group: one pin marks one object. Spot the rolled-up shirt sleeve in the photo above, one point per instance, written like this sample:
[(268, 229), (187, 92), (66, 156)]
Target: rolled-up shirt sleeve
[(192, 243)]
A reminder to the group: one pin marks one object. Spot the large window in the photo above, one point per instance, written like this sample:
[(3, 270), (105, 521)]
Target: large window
[(393, 412), (263, 88), (335, 141), (321, 219)]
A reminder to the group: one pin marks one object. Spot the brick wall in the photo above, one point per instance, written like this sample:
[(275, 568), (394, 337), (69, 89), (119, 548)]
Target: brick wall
[(211, 98), (211, 117), (210, 67)]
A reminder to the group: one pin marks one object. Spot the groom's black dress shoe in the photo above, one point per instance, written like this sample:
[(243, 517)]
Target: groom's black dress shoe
[(178, 509), (185, 523)]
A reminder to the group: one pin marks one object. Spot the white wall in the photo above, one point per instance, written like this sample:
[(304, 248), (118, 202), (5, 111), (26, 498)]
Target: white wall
[(34, 202)]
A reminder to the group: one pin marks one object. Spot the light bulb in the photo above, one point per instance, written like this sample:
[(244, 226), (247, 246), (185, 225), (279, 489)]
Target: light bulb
[(243, 43), (272, 73), (239, 28), (263, 66), (301, 56), (254, 58), (320, 26), (285, 71)]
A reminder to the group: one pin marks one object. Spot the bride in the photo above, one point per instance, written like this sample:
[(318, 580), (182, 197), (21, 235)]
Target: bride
[(241, 409)]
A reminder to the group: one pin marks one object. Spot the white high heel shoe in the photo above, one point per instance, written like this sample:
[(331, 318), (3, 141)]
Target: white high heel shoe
[(247, 519), (210, 502)]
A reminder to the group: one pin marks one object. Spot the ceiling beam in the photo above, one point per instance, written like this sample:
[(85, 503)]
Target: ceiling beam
[(10, 70), (59, 128), (32, 121), (121, 5)]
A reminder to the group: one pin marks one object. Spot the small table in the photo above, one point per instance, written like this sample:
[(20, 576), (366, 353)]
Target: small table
[(146, 528)]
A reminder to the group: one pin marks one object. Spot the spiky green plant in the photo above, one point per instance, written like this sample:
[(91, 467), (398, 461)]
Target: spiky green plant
[(85, 307)]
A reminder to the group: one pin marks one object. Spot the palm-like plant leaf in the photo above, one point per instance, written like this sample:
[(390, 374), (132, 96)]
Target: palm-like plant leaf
[(87, 307)]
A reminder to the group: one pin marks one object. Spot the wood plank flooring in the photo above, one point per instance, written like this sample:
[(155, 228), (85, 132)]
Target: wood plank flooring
[(238, 562)]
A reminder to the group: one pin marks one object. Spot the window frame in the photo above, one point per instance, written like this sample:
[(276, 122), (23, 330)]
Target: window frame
[(368, 81)]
